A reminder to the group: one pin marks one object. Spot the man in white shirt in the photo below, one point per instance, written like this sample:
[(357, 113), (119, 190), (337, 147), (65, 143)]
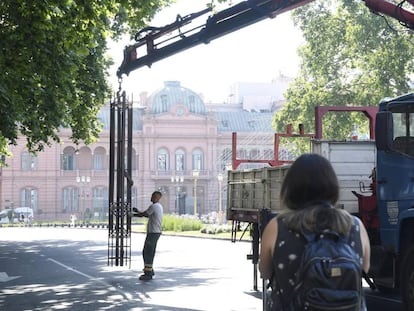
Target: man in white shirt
[(154, 228)]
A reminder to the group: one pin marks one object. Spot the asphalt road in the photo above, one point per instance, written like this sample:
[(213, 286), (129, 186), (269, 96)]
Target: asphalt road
[(67, 269)]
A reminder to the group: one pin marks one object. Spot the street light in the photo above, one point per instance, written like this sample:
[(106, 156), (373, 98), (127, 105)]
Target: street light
[(195, 176), (177, 180), (220, 213), (84, 181)]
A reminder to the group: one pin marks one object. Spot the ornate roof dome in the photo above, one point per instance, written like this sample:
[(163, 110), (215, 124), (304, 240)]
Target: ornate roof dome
[(173, 94)]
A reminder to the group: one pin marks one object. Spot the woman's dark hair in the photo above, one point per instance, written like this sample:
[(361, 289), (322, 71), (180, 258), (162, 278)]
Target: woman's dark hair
[(309, 193)]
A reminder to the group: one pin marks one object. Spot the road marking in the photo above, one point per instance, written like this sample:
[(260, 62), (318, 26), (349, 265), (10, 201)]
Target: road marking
[(128, 296), (5, 278)]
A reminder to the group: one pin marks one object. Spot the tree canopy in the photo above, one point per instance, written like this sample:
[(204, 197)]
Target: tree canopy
[(351, 57), (53, 64)]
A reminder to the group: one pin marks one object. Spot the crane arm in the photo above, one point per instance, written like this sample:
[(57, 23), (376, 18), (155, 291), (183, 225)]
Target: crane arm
[(217, 25), (393, 10), (160, 44)]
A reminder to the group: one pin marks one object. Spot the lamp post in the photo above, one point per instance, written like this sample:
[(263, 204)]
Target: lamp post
[(84, 181), (178, 180), (220, 212), (195, 176)]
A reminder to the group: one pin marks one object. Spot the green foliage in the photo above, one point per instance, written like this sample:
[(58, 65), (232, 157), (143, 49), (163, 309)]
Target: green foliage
[(180, 224), (351, 58), (54, 65)]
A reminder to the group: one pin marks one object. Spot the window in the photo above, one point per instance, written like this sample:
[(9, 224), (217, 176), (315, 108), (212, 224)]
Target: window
[(179, 160), (162, 160), (403, 132), (68, 160), (164, 103), (98, 162), (191, 101), (28, 198), (100, 202), (242, 154), (254, 154), (70, 199), (198, 159), (252, 123), (29, 162), (268, 154), (99, 159), (226, 159)]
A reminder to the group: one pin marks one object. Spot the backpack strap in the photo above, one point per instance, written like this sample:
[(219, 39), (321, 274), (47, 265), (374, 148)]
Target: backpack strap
[(354, 235), (313, 236)]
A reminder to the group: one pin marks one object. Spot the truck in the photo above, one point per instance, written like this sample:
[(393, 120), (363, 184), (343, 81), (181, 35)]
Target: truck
[(376, 179)]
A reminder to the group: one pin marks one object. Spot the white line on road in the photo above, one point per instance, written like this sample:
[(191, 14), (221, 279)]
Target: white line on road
[(128, 296)]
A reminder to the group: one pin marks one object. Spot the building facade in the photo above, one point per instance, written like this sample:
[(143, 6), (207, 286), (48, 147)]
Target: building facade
[(181, 146)]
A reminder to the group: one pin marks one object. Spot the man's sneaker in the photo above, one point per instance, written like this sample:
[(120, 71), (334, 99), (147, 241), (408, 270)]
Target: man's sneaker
[(145, 277)]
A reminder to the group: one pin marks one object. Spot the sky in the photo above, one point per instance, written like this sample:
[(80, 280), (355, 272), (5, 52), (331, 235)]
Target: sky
[(257, 53)]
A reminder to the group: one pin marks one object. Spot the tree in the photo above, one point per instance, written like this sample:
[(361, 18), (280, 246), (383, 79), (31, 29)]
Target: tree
[(352, 58), (54, 66)]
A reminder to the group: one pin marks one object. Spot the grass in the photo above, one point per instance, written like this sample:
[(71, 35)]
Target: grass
[(188, 226)]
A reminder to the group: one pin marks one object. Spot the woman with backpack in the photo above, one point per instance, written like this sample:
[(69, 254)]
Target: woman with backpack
[(308, 194)]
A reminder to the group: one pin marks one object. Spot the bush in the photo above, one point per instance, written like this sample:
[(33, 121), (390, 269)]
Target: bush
[(180, 223)]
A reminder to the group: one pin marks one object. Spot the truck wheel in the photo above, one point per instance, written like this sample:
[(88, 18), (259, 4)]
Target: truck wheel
[(407, 280)]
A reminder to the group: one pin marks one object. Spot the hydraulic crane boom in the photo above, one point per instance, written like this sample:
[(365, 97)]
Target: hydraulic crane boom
[(217, 25), (243, 14)]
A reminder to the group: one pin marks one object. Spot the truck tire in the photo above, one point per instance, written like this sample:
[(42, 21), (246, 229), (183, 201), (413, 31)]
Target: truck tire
[(407, 280)]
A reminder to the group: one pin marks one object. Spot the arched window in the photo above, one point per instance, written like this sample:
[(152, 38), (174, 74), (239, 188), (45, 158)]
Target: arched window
[(70, 199), (28, 198), (99, 159), (68, 161), (29, 161), (100, 202), (162, 160), (179, 160), (198, 161)]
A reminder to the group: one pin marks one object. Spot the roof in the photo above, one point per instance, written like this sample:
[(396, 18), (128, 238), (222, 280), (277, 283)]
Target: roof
[(244, 121), (173, 94), (104, 117)]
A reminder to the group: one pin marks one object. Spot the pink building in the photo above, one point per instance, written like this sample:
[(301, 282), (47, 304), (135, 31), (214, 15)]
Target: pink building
[(175, 134)]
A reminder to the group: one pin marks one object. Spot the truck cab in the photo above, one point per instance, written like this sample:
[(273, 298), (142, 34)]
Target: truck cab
[(395, 194)]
